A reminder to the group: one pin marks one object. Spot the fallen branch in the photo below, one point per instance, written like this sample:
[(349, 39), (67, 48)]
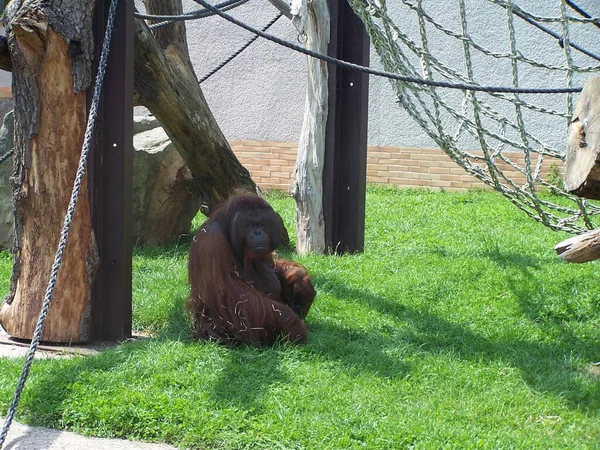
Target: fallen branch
[(580, 249)]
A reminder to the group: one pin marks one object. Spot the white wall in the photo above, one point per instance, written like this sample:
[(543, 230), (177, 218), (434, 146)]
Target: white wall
[(260, 94)]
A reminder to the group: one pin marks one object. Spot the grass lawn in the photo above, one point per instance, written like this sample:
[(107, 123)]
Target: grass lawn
[(458, 327)]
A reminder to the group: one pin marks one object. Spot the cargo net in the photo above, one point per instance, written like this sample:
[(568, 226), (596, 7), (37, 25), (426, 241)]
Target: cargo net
[(502, 138)]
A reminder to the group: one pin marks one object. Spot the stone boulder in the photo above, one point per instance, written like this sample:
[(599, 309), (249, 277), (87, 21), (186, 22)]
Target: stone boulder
[(6, 204), (164, 198)]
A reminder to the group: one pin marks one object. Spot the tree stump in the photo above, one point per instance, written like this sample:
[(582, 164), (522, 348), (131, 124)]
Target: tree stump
[(51, 47), (582, 168)]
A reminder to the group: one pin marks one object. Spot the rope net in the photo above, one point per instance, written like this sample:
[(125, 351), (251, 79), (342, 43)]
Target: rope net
[(488, 133)]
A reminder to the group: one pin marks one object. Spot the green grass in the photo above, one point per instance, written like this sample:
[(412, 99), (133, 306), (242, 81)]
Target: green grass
[(458, 327)]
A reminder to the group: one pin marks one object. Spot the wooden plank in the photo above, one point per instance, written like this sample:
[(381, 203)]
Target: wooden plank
[(345, 171), (111, 179), (5, 92)]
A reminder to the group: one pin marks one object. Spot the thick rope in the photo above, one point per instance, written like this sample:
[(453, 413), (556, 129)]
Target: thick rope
[(6, 155), (380, 73), (64, 235), (240, 50), (192, 15), (581, 11)]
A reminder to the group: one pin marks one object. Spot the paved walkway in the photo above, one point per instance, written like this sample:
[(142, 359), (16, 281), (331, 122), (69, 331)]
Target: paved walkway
[(22, 437)]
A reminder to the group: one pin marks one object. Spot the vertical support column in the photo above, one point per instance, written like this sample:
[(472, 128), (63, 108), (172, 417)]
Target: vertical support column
[(111, 176), (345, 171)]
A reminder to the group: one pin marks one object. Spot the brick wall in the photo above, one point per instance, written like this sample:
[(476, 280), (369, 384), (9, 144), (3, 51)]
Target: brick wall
[(271, 165)]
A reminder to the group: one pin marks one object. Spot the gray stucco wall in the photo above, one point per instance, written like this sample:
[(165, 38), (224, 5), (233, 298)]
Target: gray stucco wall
[(260, 95)]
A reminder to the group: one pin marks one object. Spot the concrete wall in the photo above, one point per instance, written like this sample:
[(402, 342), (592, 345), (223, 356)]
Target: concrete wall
[(260, 95)]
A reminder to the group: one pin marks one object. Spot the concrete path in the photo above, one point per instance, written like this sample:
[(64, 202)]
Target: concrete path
[(22, 437)]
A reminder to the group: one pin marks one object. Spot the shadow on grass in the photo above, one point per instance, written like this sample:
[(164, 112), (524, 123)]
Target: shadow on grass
[(544, 365), (511, 260), (247, 376), (178, 323), (381, 352), (555, 316), (49, 387)]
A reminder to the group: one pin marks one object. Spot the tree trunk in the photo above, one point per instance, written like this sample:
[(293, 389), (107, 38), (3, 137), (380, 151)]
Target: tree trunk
[(313, 19), (582, 168), (580, 249), (166, 84), (52, 50)]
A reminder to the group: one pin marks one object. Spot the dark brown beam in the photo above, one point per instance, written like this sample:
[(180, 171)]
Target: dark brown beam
[(345, 171), (111, 178)]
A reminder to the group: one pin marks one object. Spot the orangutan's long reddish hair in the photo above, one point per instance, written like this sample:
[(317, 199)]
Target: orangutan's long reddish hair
[(239, 293)]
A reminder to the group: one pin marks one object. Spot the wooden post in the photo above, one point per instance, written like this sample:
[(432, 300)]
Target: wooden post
[(111, 176), (344, 179), (312, 18)]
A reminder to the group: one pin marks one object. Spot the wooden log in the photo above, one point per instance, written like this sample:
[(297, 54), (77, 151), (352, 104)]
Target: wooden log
[(582, 167), (165, 83), (312, 18), (51, 71), (580, 249)]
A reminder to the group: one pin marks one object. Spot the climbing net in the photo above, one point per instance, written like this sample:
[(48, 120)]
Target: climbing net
[(492, 40)]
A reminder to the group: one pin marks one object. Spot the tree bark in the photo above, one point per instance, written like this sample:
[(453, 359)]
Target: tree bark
[(312, 19), (580, 249), (52, 51), (582, 167)]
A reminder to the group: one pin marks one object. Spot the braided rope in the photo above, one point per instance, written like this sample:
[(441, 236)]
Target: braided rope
[(422, 14), (240, 50), (6, 155), (521, 12), (568, 58), (64, 235), (192, 15)]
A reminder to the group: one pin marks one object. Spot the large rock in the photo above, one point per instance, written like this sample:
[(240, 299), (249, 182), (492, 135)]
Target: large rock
[(6, 203), (164, 199)]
